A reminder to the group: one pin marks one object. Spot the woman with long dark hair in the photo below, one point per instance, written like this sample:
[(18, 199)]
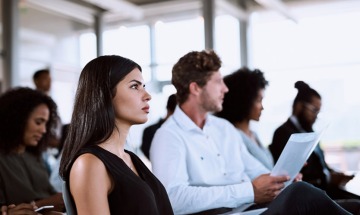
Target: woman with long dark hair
[(103, 177)]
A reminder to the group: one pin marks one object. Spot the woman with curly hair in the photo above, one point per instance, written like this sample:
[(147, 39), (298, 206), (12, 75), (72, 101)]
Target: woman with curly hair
[(27, 121), (242, 104)]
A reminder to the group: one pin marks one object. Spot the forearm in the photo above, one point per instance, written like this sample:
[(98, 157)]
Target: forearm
[(191, 199)]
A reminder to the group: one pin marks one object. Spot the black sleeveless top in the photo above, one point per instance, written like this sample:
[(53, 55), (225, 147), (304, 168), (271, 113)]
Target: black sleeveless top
[(132, 194)]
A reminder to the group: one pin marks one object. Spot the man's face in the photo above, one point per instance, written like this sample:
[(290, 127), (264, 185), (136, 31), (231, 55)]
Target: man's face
[(43, 83), (212, 94), (309, 112)]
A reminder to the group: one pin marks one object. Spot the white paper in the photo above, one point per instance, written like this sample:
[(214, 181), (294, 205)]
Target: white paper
[(295, 153), (236, 211)]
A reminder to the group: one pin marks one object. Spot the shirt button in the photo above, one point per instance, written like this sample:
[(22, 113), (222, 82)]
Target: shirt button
[(224, 174), (218, 155)]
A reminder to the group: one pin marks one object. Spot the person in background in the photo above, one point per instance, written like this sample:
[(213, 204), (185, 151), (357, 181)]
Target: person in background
[(306, 107), (242, 104), (42, 80), (149, 131), (103, 177), (27, 119), (203, 162)]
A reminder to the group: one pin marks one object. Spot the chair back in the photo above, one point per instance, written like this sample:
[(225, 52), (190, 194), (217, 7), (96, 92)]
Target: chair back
[(69, 205)]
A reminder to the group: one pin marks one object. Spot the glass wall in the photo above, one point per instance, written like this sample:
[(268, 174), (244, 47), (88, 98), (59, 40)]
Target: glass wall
[(322, 49)]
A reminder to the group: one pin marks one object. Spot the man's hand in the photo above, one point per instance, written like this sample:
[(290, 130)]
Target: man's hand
[(298, 177), (339, 178), (21, 209), (267, 187), (55, 200)]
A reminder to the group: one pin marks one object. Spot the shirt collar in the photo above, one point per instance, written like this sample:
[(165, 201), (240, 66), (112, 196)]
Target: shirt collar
[(185, 122)]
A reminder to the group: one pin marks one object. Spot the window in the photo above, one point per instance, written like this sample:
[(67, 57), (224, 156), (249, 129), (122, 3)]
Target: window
[(322, 49)]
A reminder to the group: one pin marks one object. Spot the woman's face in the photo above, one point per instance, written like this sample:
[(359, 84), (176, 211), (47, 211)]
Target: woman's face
[(257, 106), (36, 125), (131, 99)]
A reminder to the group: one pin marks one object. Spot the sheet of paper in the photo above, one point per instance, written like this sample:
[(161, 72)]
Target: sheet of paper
[(239, 211), (293, 157)]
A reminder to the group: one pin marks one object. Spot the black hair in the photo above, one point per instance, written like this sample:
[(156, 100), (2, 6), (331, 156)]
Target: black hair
[(16, 106), (244, 85), (93, 118)]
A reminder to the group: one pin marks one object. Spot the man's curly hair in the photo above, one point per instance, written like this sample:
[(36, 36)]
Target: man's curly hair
[(193, 67)]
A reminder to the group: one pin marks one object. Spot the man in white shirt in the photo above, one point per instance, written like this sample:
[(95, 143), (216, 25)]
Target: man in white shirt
[(202, 161)]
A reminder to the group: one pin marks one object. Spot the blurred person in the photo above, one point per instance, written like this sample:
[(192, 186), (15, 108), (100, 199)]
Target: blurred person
[(242, 104), (27, 119), (203, 162), (306, 107), (42, 80), (103, 177), (149, 131)]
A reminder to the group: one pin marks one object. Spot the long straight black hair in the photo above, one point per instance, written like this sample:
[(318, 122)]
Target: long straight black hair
[(93, 118)]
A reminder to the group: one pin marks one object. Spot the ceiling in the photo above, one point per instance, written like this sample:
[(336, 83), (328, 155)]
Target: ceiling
[(37, 17), (115, 11)]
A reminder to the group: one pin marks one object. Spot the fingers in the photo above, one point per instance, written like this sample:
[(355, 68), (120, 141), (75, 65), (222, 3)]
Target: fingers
[(3, 210), (281, 179), (24, 209)]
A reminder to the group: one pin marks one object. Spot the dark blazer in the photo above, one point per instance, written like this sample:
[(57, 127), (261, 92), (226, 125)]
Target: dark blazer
[(148, 135), (314, 171)]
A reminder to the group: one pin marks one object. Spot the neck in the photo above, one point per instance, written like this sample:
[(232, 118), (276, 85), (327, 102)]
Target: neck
[(196, 114), (117, 140), (20, 149), (244, 126)]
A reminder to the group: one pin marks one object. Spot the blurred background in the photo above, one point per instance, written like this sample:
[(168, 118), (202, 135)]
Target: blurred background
[(316, 41)]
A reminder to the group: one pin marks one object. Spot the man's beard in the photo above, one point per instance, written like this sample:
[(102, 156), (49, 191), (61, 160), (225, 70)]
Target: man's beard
[(306, 125)]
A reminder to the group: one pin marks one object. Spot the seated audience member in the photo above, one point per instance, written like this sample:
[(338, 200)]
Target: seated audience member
[(102, 177), (202, 161), (42, 80), (27, 119), (242, 104), (149, 131), (306, 106)]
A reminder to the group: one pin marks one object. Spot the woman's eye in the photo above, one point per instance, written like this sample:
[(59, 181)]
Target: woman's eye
[(135, 86)]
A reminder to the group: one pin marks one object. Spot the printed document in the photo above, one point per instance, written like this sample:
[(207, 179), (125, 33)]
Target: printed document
[(293, 157)]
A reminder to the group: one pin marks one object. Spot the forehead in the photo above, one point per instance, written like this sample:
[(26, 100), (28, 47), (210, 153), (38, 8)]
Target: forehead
[(135, 74), (40, 110), (215, 75)]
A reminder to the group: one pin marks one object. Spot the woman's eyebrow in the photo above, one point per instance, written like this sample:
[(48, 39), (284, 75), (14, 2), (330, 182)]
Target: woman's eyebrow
[(138, 82)]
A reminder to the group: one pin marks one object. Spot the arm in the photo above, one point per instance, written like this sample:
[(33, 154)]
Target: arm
[(88, 176)]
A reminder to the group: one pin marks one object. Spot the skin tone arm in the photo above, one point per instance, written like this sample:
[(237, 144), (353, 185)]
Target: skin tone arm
[(88, 175)]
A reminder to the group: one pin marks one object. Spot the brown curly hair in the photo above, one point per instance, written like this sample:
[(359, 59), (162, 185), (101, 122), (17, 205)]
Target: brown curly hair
[(193, 67)]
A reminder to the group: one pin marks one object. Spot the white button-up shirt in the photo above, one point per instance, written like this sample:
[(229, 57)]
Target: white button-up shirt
[(205, 168)]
